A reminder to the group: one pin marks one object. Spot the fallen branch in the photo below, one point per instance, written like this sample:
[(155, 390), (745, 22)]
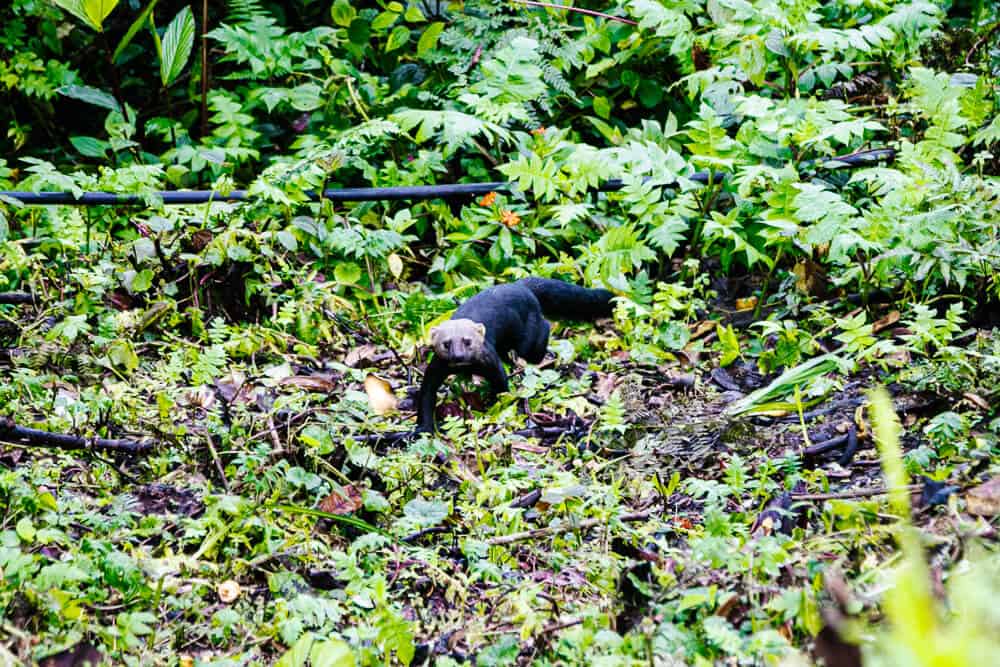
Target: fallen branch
[(16, 298), (564, 528), (844, 495), (825, 446), (33, 437)]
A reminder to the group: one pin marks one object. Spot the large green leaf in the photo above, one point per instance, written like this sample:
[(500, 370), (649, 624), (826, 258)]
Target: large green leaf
[(90, 95), (134, 28), (177, 43), (91, 12)]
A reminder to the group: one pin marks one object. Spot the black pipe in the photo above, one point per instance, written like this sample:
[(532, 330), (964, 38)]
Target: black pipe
[(415, 192)]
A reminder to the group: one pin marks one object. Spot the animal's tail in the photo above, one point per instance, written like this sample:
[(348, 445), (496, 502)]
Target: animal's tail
[(565, 301)]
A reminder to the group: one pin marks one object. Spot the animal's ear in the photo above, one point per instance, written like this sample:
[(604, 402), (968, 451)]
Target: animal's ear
[(481, 329), (435, 335)]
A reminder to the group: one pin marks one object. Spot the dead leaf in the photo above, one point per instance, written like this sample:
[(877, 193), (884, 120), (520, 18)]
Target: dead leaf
[(200, 239), (314, 383), (984, 500), (380, 396), (699, 329), (885, 322), (810, 278), (345, 501), (200, 397), (605, 386), (228, 591), (231, 384), (525, 446), (977, 401), (620, 355), (360, 356), (749, 303)]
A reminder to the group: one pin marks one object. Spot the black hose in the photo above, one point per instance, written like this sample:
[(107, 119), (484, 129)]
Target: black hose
[(411, 193)]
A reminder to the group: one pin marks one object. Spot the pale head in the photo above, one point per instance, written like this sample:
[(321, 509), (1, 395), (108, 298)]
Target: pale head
[(459, 341)]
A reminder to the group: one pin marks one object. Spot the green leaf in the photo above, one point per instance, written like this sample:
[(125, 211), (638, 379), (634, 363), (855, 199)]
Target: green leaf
[(332, 653), (650, 93), (123, 356), (342, 13), (94, 96), (177, 43), (398, 38), (347, 272), (425, 513), (414, 15), (307, 97), (298, 654), (730, 344), (429, 39), (91, 12), (142, 281), (89, 146), (133, 29), (602, 107), (25, 530), (384, 20), (345, 519)]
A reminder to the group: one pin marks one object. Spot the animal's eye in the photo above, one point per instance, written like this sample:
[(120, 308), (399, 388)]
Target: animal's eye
[(447, 345), (467, 341)]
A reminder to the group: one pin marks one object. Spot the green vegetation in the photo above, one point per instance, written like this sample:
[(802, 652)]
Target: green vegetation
[(698, 481)]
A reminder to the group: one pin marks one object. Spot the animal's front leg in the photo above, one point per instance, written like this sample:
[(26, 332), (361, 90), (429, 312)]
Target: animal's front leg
[(497, 379), (434, 376)]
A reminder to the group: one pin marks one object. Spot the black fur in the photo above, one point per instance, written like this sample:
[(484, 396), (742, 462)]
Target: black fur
[(514, 317)]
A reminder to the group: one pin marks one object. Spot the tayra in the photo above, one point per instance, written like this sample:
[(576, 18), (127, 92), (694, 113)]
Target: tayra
[(499, 320)]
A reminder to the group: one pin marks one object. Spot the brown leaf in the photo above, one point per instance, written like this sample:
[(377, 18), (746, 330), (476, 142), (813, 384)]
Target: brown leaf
[(749, 303), (702, 327), (230, 385), (810, 278), (314, 383), (977, 401), (380, 396), (885, 322), (360, 356), (346, 501), (200, 239), (984, 500), (605, 386), (525, 446)]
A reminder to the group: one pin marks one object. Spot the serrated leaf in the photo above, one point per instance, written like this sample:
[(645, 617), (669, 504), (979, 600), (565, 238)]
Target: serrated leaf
[(90, 95), (429, 38), (178, 41)]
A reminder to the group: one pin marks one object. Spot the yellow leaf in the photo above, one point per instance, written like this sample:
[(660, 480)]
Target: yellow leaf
[(380, 396)]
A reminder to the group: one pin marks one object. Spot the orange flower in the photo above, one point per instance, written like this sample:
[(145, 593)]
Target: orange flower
[(538, 131), (509, 218), (488, 199)]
